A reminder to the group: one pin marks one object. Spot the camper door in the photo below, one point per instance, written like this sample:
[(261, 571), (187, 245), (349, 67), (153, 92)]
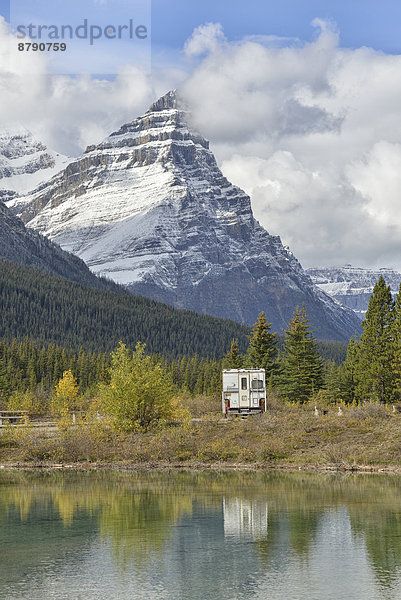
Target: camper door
[(244, 390)]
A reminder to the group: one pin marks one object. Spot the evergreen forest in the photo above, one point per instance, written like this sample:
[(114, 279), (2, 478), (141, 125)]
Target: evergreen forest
[(51, 326)]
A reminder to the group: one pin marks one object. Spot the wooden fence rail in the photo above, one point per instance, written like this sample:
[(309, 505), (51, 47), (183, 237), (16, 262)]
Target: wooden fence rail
[(13, 417)]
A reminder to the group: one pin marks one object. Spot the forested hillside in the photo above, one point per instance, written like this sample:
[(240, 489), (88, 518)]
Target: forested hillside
[(25, 365), (55, 310)]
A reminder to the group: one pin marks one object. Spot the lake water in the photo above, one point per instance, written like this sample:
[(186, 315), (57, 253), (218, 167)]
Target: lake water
[(199, 536)]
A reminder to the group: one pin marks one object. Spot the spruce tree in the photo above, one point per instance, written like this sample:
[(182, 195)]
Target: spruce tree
[(350, 371), (333, 377), (5, 388), (397, 347), (262, 351), (232, 359), (302, 365), (374, 374)]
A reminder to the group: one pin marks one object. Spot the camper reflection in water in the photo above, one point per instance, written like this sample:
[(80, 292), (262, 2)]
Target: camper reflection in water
[(245, 518)]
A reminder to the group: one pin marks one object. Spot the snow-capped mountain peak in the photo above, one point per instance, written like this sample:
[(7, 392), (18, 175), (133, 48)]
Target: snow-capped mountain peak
[(25, 162), (353, 286), (150, 208)]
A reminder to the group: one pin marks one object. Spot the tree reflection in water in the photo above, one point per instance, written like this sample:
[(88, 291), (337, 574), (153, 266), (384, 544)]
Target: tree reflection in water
[(279, 513)]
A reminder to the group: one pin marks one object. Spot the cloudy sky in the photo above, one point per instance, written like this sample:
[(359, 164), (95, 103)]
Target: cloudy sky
[(299, 99)]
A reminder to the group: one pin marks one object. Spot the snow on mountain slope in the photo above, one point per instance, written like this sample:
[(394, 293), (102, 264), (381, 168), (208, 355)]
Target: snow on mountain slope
[(27, 247), (25, 162), (352, 286), (150, 208)]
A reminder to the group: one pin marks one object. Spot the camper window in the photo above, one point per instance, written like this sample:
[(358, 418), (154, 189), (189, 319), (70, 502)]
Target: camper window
[(243, 383), (257, 384)]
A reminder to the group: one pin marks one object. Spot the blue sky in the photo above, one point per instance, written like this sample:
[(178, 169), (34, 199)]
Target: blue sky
[(371, 23)]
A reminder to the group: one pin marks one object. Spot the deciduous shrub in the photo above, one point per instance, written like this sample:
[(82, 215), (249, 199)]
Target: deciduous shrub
[(140, 394)]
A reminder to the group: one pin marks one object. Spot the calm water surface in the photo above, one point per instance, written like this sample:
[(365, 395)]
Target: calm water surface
[(199, 536)]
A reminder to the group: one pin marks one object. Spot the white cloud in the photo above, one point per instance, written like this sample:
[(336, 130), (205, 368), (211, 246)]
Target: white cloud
[(245, 90), (67, 113), (206, 38), (378, 178), (311, 131), (323, 218), (313, 134)]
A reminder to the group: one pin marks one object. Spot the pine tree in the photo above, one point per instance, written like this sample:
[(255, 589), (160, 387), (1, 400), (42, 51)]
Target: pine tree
[(232, 359), (302, 364), (333, 376), (375, 366), (262, 351), (349, 371), (397, 347), (5, 388), (31, 375)]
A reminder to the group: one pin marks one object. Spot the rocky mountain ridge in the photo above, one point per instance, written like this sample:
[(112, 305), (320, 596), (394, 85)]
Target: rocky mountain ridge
[(150, 208), (25, 162), (353, 286)]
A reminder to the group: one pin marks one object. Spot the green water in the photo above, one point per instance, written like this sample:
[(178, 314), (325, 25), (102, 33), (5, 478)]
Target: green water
[(199, 536)]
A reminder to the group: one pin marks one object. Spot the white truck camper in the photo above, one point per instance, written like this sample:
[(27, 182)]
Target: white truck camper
[(244, 391)]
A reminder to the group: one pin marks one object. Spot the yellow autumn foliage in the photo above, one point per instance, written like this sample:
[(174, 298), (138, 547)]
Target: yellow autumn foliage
[(141, 394), (65, 395)]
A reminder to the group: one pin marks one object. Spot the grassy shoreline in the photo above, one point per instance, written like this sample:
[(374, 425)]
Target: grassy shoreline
[(219, 467), (364, 438)]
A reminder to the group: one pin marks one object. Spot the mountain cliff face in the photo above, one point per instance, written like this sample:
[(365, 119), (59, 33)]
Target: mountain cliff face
[(26, 247), (353, 286), (25, 162), (150, 209)]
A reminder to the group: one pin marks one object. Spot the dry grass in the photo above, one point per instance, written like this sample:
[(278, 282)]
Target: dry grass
[(366, 435)]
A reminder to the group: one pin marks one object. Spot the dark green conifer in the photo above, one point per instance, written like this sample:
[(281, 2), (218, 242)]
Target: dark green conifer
[(350, 368), (397, 347), (333, 377), (232, 360), (302, 364), (262, 351), (5, 388), (375, 366)]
